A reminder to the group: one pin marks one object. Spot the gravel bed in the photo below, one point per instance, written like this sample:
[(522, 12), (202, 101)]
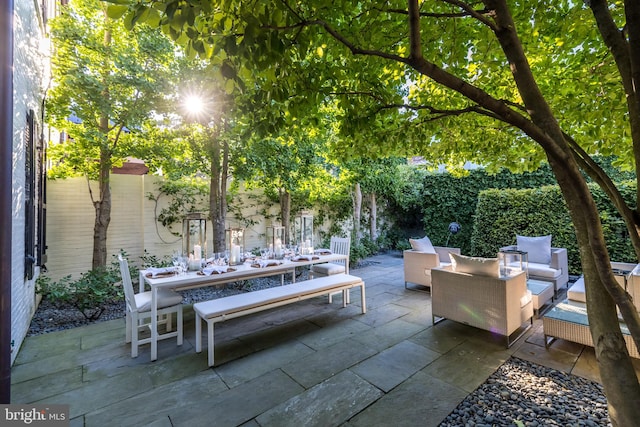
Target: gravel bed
[(521, 393)]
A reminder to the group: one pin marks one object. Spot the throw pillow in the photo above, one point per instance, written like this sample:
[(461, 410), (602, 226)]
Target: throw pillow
[(538, 248), (422, 245), (475, 265)]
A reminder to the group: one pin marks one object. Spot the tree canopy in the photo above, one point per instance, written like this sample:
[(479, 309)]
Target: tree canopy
[(502, 84)]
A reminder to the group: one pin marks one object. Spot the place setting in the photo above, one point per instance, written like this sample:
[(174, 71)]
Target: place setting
[(217, 264)]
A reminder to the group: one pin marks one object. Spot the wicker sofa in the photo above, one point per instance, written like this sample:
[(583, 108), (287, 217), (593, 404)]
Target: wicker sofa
[(418, 264), (502, 305)]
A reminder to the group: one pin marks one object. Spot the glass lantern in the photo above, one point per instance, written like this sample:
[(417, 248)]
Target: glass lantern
[(276, 240), (234, 239), (303, 231), (513, 261), (194, 238)]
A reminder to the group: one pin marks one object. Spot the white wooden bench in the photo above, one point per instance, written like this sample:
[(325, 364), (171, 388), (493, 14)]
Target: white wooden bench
[(233, 306)]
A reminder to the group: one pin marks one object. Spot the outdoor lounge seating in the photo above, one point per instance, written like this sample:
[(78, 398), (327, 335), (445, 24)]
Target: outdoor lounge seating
[(138, 311), (628, 276), (421, 258), (470, 291), (233, 306), (570, 322), (544, 262)]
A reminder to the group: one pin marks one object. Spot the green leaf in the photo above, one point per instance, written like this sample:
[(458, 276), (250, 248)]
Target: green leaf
[(229, 87), (115, 11)]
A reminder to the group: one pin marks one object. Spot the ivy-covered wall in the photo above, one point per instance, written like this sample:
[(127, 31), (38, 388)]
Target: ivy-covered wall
[(424, 203), (503, 213), (430, 201)]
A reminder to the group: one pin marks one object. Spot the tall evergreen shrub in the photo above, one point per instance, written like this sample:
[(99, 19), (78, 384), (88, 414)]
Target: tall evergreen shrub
[(503, 213)]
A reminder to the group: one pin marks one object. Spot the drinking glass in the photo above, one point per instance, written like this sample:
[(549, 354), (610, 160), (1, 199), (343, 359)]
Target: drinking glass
[(183, 264)]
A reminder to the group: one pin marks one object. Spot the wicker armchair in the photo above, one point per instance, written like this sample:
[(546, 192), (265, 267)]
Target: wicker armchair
[(501, 305), (418, 265), (557, 271)]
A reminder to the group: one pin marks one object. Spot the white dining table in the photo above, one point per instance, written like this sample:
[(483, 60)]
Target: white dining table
[(194, 279)]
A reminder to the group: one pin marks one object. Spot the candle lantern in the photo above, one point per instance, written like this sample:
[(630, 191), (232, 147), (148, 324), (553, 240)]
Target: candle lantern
[(194, 238), (303, 230), (234, 239), (275, 240)]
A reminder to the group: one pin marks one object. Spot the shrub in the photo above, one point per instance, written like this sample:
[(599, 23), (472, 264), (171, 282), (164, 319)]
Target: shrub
[(501, 214), (88, 294)]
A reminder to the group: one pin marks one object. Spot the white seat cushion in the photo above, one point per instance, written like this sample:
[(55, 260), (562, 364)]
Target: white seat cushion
[(246, 301), (328, 269), (576, 291), (543, 270), (166, 298)]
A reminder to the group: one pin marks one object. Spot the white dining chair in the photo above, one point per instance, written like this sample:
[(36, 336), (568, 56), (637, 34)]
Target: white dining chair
[(339, 246), (138, 311)]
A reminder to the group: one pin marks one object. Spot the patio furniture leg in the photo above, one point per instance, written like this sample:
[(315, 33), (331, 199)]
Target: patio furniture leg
[(180, 322), (198, 334), (210, 326), (127, 321), (134, 336)]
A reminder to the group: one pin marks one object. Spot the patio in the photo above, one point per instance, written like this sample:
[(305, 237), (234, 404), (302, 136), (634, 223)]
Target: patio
[(309, 363)]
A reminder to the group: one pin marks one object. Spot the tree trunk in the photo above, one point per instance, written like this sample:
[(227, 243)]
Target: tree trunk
[(618, 375), (285, 212), (102, 208), (219, 157), (373, 217), (357, 209)]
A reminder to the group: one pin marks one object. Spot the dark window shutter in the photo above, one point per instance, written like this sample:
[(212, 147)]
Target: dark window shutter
[(29, 196)]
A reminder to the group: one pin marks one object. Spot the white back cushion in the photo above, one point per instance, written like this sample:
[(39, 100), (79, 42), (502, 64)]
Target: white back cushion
[(538, 248), (475, 265), (422, 245)]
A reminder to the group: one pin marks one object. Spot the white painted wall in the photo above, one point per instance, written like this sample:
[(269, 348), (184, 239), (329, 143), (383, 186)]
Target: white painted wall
[(134, 226), (29, 77)]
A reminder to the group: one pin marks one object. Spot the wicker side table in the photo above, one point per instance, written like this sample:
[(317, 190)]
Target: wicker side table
[(541, 294)]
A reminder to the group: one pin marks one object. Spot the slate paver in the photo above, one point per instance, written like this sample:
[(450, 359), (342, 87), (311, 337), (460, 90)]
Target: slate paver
[(329, 403), (389, 334), (327, 362), (157, 403), (48, 385), (238, 404), (98, 394), (331, 334), (257, 364), (468, 365), (392, 366), (419, 401), (310, 363)]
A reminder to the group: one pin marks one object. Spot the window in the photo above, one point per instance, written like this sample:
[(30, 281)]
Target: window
[(35, 204)]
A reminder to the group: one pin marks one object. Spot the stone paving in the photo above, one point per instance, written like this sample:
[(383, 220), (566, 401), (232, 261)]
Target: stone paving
[(309, 363)]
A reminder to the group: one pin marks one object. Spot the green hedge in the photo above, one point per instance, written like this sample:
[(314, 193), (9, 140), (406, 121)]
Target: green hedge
[(503, 213), (441, 198)]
